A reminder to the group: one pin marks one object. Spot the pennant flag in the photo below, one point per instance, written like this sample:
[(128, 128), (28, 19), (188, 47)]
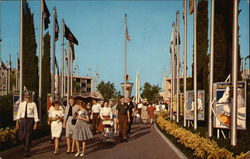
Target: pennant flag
[(172, 43), (127, 35), (69, 36), (72, 50), (2, 66), (191, 6), (46, 15), (56, 28)]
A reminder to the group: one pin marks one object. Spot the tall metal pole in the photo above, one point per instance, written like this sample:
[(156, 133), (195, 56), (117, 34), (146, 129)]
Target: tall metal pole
[(235, 74), (65, 70), (63, 63), (40, 59), (172, 72), (125, 58), (211, 75), (21, 52), (177, 68), (71, 71), (195, 70), (9, 71), (185, 62), (17, 71), (53, 57), (68, 77)]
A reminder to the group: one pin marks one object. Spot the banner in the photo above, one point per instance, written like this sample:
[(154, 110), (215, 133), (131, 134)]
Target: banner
[(200, 105), (222, 107)]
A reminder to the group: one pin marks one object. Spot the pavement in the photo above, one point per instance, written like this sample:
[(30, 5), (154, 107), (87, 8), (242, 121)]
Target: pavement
[(144, 142)]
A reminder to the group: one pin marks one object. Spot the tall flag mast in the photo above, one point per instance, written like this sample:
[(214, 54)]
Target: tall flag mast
[(235, 75), (127, 38), (185, 61), (21, 52), (211, 73), (172, 51), (177, 37)]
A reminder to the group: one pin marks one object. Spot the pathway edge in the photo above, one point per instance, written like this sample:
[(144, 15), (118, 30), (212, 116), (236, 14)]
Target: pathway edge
[(173, 147)]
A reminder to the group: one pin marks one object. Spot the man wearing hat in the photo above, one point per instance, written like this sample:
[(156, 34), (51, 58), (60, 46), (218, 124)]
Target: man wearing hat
[(27, 118)]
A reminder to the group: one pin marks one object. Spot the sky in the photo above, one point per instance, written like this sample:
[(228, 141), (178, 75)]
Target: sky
[(99, 28)]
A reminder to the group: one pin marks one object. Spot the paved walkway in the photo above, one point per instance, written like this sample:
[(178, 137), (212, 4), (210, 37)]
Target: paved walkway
[(144, 143)]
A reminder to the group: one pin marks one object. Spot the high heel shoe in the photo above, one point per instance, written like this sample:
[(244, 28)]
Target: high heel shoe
[(82, 154), (77, 154)]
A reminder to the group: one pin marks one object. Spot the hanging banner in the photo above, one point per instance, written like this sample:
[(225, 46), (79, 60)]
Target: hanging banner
[(200, 105), (222, 107)]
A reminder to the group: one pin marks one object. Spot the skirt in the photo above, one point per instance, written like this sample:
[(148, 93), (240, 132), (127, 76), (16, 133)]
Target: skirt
[(69, 127), (56, 129), (81, 131)]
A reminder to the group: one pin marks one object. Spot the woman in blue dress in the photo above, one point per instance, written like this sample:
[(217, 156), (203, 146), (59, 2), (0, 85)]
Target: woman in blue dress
[(81, 131)]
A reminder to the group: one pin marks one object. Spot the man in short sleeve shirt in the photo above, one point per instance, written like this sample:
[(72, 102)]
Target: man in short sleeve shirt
[(123, 119)]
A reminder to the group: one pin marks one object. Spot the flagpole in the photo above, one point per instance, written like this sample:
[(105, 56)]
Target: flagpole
[(68, 78), (235, 74), (17, 71), (125, 58), (172, 72), (65, 70), (211, 75), (40, 58), (63, 63), (71, 70), (53, 58), (9, 71), (177, 68), (21, 52), (195, 70), (185, 61)]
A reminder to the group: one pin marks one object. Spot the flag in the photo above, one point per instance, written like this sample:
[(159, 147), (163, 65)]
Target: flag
[(69, 36), (46, 15), (178, 38), (18, 63), (72, 50), (2, 66), (191, 6), (127, 35), (56, 65), (56, 28), (172, 39)]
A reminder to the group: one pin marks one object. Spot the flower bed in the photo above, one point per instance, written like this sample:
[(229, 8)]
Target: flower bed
[(202, 147)]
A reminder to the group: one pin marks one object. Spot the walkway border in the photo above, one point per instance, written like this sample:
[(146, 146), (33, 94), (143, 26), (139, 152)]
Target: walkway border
[(19, 148), (174, 148)]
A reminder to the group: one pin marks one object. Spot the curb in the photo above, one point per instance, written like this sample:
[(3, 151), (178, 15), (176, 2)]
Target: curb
[(20, 147), (173, 147)]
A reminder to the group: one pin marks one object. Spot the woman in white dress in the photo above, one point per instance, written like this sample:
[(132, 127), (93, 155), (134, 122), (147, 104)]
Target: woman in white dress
[(56, 118)]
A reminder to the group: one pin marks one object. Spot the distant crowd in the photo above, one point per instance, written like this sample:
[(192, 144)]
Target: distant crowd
[(82, 121)]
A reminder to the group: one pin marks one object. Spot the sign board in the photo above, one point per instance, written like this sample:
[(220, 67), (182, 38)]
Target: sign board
[(200, 105), (222, 106)]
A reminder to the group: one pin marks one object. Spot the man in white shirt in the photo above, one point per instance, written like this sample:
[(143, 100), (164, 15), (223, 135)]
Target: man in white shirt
[(96, 108), (27, 118)]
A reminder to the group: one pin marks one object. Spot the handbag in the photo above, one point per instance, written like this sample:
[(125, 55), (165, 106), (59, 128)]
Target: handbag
[(73, 121)]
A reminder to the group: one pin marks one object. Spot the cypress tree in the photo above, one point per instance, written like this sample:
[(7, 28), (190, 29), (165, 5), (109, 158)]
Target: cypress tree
[(30, 59), (46, 76), (223, 40), (202, 45)]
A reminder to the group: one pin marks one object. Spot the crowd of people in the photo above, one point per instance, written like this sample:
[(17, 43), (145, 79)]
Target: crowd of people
[(82, 121)]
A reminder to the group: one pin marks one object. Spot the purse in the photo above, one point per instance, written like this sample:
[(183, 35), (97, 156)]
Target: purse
[(73, 121)]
